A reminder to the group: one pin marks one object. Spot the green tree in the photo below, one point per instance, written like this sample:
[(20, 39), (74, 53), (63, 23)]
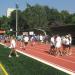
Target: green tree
[(4, 23), (66, 17), (13, 21), (36, 16), (22, 23), (73, 18)]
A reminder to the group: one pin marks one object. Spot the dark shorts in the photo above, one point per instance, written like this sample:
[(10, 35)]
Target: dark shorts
[(25, 43), (63, 45), (67, 46), (52, 46)]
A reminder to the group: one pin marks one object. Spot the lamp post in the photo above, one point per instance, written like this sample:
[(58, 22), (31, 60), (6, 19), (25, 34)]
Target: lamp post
[(16, 18), (11, 30)]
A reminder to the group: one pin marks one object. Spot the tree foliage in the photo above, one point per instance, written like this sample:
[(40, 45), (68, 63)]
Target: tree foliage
[(37, 16)]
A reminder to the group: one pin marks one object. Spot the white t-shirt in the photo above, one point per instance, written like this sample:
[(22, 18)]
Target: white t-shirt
[(41, 37), (67, 41), (63, 40), (26, 39), (13, 43), (58, 42), (52, 41), (70, 39)]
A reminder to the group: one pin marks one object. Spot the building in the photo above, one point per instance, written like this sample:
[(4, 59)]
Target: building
[(9, 11), (62, 30)]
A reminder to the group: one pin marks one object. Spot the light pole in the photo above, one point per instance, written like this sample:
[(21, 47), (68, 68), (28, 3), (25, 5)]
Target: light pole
[(16, 18)]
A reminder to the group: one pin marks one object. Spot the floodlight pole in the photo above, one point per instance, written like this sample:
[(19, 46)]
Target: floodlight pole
[(16, 18)]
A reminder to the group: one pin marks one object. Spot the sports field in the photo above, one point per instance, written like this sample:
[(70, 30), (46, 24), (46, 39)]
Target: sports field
[(25, 65)]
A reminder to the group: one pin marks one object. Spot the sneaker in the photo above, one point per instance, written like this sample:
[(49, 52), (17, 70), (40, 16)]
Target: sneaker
[(10, 56), (17, 55), (20, 47), (70, 53)]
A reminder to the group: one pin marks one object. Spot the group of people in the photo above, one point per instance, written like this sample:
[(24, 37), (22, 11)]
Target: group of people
[(60, 45), (24, 42)]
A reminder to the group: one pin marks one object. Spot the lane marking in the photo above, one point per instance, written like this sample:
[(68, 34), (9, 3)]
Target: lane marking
[(3, 69), (48, 63)]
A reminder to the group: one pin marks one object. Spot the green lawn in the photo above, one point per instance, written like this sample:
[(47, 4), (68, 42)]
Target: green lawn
[(25, 65)]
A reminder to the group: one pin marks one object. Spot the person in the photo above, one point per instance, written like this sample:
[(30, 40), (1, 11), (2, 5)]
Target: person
[(58, 44), (26, 40), (64, 44), (13, 47), (21, 42), (41, 38), (32, 39), (52, 44), (68, 42)]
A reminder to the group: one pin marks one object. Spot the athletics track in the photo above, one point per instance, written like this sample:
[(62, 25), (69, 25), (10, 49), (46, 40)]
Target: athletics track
[(41, 52)]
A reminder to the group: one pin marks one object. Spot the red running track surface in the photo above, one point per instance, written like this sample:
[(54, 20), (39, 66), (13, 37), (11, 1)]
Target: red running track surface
[(42, 51)]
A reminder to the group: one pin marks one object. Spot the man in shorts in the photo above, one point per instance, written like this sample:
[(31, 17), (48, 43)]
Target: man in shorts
[(58, 45), (68, 45), (13, 47), (52, 43), (70, 42), (26, 40)]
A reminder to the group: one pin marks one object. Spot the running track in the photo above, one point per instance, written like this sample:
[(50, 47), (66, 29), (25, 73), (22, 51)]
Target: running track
[(42, 51)]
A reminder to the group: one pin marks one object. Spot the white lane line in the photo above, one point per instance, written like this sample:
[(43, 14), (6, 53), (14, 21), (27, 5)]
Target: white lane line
[(48, 63)]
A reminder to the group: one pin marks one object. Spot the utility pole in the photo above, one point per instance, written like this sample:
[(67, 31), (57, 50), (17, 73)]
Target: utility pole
[(16, 18)]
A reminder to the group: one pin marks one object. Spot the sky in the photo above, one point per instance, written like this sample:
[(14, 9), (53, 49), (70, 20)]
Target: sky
[(60, 5)]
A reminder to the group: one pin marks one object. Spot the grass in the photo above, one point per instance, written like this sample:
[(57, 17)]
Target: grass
[(25, 65)]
